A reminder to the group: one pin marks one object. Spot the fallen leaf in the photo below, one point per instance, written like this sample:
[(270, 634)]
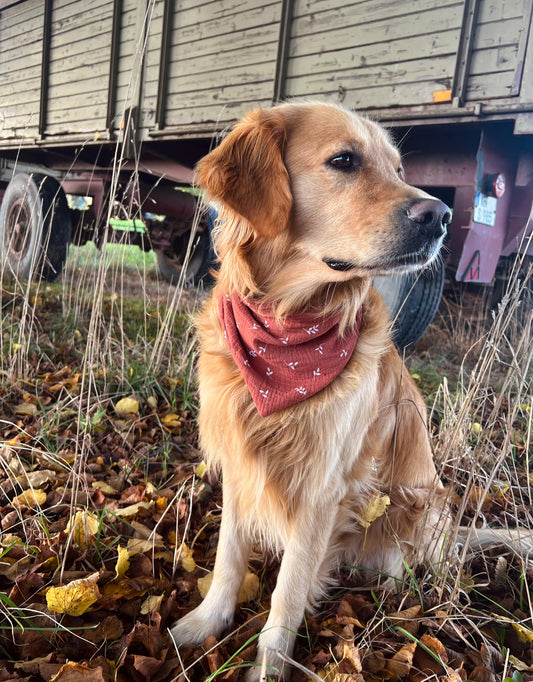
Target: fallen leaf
[(83, 527), (400, 664), (152, 604), (38, 478), (249, 588), (123, 563), (104, 487), (30, 498), (75, 598), (78, 672), (375, 508), (126, 407), (133, 509), (26, 409), (186, 558)]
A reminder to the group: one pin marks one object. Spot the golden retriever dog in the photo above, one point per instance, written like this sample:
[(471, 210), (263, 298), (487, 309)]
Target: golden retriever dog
[(306, 407)]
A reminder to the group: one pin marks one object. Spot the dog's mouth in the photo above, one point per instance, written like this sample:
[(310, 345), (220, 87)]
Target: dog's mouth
[(394, 263), (339, 265)]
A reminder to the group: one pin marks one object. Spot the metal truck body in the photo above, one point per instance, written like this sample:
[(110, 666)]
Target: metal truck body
[(122, 97)]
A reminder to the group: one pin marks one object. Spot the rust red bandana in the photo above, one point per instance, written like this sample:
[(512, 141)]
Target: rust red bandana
[(284, 363)]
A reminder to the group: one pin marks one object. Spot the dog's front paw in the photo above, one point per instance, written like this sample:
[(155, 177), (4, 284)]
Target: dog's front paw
[(268, 666), (197, 626)]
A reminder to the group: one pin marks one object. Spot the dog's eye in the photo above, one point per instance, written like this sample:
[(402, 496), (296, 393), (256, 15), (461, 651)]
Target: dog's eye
[(401, 172), (346, 161)]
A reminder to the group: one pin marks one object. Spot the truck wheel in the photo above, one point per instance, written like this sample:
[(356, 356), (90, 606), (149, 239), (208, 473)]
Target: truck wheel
[(412, 299), (34, 227), (199, 263), (520, 272)]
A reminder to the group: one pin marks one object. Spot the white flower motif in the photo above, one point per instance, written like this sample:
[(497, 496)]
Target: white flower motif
[(245, 362), (312, 330), (252, 353), (343, 354), (316, 372), (265, 324), (256, 326), (292, 365), (264, 393), (320, 349), (269, 372), (285, 340), (301, 390), (262, 350)]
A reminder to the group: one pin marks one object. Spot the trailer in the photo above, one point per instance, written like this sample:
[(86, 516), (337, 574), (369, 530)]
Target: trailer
[(106, 106)]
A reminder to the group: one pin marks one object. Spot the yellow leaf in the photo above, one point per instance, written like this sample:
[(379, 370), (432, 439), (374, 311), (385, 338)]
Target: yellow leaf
[(152, 604), (30, 498), (186, 558), (104, 487), (201, 469), (525, 635), (75, 598), (84, 526), (161, 503), (152, 402), (171, 420), (476, 428), (204, 584), (376, 508), (26, 409), (249, 588), (38, 478), (127, 407), (123, 563), (134, 509)]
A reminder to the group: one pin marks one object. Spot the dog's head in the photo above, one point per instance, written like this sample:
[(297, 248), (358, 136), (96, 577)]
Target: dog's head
[(326, 186)]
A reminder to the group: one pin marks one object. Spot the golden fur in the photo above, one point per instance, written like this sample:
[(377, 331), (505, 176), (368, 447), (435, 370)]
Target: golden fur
[(299, 481)]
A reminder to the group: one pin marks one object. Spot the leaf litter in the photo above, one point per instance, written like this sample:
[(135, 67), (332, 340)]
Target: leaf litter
[(98, 558)]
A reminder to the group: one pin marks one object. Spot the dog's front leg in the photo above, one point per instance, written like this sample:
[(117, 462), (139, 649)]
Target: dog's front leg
[(215, 613), (298, 584)]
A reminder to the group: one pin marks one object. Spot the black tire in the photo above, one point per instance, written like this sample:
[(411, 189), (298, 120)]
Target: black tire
[(199, 263), (412, 299), (35, 227)]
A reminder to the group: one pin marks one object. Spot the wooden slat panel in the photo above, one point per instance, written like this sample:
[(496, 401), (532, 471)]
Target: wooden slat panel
[(20, 71), (218, 57), (79, 66)]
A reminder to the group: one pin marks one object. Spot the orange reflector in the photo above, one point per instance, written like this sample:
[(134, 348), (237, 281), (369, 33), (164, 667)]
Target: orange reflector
[(442, 96)]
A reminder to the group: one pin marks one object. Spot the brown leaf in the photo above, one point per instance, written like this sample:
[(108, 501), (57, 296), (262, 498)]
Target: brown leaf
[(400, 664), (78, 672)]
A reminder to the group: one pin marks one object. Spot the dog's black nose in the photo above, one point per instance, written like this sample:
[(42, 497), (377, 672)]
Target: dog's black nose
[(430, 216)]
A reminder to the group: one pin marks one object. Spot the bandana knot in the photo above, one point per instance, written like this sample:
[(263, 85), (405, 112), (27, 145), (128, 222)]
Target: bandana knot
[(284, 362)]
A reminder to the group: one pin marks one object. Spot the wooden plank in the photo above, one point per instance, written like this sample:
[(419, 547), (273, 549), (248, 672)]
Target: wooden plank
[(18, 23), (232, 13), (223, 61), (78, 11), (436, 69), (210, 27), (218, 116), (384, 32), (361, 58), (66, 93), (229, 79), (96, 62), (483, 88), (339, 15), (492, 62)]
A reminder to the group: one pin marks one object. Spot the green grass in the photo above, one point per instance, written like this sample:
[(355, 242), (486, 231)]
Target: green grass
[(116, 255)]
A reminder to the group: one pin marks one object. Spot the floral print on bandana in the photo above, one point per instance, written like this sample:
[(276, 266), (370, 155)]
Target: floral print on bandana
[(284, 363)]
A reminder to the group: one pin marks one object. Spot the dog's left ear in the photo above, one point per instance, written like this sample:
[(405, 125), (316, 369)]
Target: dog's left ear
[(246, 172)]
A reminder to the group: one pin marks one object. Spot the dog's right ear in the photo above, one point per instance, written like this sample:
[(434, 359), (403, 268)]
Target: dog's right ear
[(246, 172)]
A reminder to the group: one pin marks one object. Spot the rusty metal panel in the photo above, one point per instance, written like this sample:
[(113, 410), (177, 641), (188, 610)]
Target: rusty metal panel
[(21, 34)]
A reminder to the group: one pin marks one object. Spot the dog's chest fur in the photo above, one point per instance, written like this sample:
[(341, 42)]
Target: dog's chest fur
[(305, 453)]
